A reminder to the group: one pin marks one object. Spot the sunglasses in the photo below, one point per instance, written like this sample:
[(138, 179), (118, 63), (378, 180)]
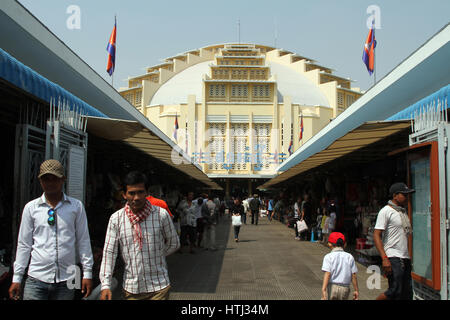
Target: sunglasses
[(51, 217)]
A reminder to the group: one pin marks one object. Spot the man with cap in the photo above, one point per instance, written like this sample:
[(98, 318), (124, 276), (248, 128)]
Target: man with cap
[(340, 270), (53, 231), (393, 222)]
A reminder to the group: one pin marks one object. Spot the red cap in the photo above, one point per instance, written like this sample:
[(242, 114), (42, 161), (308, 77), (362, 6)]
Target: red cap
[(334, 236)]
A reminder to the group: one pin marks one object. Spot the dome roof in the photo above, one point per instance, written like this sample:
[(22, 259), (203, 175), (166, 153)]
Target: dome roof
[(177, 88), (297, 86), (189, 81)]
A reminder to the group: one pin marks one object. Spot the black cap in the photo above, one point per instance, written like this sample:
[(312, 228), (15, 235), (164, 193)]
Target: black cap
[(400, 187)]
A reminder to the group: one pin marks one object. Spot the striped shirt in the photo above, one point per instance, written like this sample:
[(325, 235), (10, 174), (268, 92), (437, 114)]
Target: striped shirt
[(146, 269)]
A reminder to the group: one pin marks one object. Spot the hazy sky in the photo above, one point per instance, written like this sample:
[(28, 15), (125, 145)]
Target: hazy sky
[(332, 32)]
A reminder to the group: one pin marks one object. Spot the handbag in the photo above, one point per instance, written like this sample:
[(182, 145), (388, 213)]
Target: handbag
[(301, 226)]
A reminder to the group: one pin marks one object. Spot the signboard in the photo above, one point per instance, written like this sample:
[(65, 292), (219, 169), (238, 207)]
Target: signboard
[(75, 173)]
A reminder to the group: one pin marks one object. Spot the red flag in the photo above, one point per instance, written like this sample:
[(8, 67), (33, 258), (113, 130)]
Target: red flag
[(175, 128), (301, 128), (111, 48), (369, 50)]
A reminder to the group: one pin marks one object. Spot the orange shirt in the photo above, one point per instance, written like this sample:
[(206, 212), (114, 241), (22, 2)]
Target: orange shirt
[(159, 203)]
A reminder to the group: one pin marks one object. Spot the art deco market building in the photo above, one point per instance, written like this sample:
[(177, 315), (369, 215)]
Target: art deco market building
[(240, 107)]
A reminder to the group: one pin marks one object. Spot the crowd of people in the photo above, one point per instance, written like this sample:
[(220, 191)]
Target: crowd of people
[(54, 237), (320, 219)]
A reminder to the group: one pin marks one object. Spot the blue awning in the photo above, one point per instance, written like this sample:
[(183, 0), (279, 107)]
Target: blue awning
[(439, 98), (32, 82)]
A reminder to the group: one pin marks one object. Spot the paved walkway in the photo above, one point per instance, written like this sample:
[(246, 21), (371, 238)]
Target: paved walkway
[(267, 264)]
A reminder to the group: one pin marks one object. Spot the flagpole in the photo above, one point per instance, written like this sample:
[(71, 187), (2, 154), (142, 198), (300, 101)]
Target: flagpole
[(112, 76), (374, 67)]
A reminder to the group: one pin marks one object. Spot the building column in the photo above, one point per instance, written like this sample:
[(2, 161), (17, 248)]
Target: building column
[(250, 187), (287, 123), (227, 188), (191, 118)]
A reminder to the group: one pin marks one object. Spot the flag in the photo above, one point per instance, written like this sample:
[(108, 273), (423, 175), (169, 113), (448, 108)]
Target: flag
[(301, 128), (175, 128), (369, 50), (290, 148), (111, 48)]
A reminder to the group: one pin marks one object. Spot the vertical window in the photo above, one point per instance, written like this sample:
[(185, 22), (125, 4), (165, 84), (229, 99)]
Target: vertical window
[(340, 99)]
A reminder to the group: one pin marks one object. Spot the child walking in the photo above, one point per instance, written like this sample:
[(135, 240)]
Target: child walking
[(237, 210), (236, 221), (340, 269)]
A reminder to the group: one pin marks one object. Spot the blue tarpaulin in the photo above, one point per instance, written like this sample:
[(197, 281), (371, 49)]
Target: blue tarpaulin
[(438, 98), (32, 82)]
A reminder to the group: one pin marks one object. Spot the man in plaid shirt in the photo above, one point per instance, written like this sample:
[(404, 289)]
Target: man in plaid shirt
[(146, 235)]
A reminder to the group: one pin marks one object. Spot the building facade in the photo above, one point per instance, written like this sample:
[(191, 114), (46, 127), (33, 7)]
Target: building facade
[(241, 109)]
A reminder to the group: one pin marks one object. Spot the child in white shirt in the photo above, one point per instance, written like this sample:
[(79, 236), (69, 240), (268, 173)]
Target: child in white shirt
[(340, 269), (236, 222)]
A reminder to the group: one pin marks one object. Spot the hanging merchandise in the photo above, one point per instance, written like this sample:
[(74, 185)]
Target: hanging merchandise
[(328, 186)]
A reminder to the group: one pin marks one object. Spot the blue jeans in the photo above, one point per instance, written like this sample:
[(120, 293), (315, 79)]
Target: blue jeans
[(236, 231), (400, 282), (39, 290)]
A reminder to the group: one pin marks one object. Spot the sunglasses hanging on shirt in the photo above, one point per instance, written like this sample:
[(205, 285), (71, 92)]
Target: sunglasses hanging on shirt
[(51, 217)]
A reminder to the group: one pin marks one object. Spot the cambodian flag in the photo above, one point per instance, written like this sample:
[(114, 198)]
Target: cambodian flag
[(369, 50), (111, 48), (290, 148), (175, 128), (301, 128)]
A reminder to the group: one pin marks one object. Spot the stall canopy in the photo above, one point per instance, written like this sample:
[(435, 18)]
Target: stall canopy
[(363, 136), (23, 77), (437, 101), (140, 137)]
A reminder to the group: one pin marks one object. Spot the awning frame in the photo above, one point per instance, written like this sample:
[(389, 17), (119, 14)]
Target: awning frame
[(374, 131)]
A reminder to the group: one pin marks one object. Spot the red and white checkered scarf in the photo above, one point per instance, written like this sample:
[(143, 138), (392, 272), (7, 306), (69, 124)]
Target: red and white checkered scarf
[(136, 219)]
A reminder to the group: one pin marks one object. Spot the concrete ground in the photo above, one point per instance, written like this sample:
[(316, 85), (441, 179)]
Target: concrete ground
[(266, 264)]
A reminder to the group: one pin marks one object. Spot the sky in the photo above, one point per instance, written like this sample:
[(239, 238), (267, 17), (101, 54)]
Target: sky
[(332, 32)]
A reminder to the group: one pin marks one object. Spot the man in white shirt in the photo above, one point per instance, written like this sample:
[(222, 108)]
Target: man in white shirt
[(210, 219), (393, 222), (52, 232), (246, 208), (146, 235)]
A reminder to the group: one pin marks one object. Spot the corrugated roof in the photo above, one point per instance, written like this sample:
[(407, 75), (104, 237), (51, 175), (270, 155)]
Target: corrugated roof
[(366, 134), (138, 136)]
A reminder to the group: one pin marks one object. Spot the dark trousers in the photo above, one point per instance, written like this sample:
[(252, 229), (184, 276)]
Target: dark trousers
[(236, 231), (244, 218), (255, 216), (188, 232), (400, 282)]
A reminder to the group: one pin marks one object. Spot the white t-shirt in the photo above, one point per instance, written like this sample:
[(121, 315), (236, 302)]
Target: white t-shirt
[(394, 238), (341, 265), (245, 204), (296, 211)]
